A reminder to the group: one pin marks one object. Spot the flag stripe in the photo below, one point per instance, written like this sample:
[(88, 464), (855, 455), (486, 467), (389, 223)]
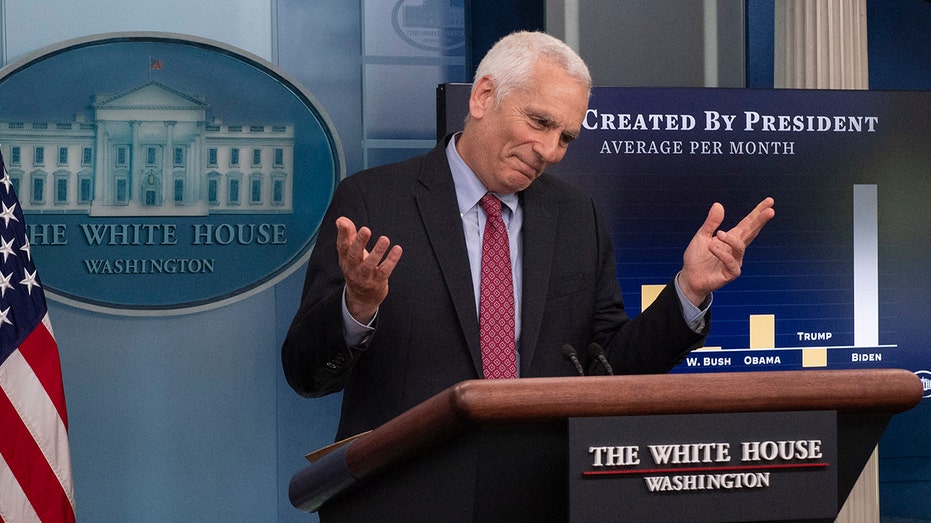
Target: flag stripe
[(35, 407), (16, 506), (27, 463), (39, 458), (26, 395), (39, 351)]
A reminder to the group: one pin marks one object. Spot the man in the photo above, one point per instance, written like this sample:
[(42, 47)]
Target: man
[(390, 350)]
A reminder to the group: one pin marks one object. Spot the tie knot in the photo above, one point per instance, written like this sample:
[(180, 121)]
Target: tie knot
[(492, 206)]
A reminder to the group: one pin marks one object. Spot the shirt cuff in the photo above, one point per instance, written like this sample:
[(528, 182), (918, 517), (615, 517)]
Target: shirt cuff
[(693, 316), (357, 335)]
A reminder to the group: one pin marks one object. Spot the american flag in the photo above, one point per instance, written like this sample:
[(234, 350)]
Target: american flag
[(35, 462)]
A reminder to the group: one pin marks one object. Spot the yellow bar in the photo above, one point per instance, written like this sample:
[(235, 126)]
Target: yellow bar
[(815, 357), (648, 294), (762, 331)]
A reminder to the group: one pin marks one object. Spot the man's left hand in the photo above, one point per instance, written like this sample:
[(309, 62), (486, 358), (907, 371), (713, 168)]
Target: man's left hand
[(714, 257)]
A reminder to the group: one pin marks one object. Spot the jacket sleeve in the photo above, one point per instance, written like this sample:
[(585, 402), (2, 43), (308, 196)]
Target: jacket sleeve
[(315, 358), (654, 341)]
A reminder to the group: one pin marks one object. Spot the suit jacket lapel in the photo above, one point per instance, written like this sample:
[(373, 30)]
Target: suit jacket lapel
[(539, 242), (438, 210)]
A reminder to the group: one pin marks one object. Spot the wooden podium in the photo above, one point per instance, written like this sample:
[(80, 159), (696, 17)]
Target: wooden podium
[(497, 450)]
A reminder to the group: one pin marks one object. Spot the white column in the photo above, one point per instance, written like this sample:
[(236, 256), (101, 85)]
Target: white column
[(103, 181), (571, 14), (168, 169), (136, 161), (711, 43)]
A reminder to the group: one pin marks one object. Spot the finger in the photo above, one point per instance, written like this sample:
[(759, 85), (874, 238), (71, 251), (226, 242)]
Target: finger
[(373, 259), (729, 252), (386, 267), (713, 220), (750, 226), (732, 242), (762, 213), (345, 232), (356, 249)]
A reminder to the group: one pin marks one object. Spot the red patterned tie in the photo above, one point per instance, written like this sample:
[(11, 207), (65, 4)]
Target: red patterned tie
[(496, 303)]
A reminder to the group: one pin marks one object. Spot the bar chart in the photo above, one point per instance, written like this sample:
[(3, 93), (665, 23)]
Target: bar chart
[(815, 349)]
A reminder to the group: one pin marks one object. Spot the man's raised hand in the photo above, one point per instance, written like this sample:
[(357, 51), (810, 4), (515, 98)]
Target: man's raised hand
[(715, 257), (365, 272)]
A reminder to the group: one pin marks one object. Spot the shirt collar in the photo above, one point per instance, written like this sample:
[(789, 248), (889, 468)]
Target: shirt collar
[(469, 189)]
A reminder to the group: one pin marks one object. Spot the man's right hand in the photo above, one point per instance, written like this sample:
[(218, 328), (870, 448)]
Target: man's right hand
[(366, 273)]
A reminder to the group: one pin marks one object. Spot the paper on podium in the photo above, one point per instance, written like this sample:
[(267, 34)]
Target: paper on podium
[(317, 454)]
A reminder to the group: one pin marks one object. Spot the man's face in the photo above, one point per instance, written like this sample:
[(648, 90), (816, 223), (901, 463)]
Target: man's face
[(510, 145)]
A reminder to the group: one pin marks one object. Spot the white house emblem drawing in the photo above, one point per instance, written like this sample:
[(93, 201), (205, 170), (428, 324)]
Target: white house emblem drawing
[(149, 151), (164, 185)]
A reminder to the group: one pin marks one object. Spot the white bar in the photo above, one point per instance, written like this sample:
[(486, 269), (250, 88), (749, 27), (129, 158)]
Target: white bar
[(865, 266)]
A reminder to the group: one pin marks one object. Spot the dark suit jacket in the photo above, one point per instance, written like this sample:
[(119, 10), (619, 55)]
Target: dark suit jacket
[(427, 334)]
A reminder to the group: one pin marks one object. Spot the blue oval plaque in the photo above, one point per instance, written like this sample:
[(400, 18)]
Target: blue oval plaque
[(164, 174)]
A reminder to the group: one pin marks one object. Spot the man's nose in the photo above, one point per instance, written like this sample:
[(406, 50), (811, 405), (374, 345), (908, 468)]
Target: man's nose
[(550, 148)]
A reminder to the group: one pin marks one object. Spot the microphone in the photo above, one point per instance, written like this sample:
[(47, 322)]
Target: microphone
[(595, 351), (569, 353)]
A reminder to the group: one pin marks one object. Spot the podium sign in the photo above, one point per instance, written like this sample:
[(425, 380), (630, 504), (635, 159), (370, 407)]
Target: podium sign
[(758, 466)]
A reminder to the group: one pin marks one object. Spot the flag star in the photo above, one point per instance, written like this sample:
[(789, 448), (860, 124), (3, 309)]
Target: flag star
[(6, 248), (7, 214), (26, 248), (5, 283), (3, 316), (6, 180), (30, 280)]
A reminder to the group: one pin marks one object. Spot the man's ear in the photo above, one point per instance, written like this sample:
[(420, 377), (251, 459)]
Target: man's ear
[(482, 98)]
